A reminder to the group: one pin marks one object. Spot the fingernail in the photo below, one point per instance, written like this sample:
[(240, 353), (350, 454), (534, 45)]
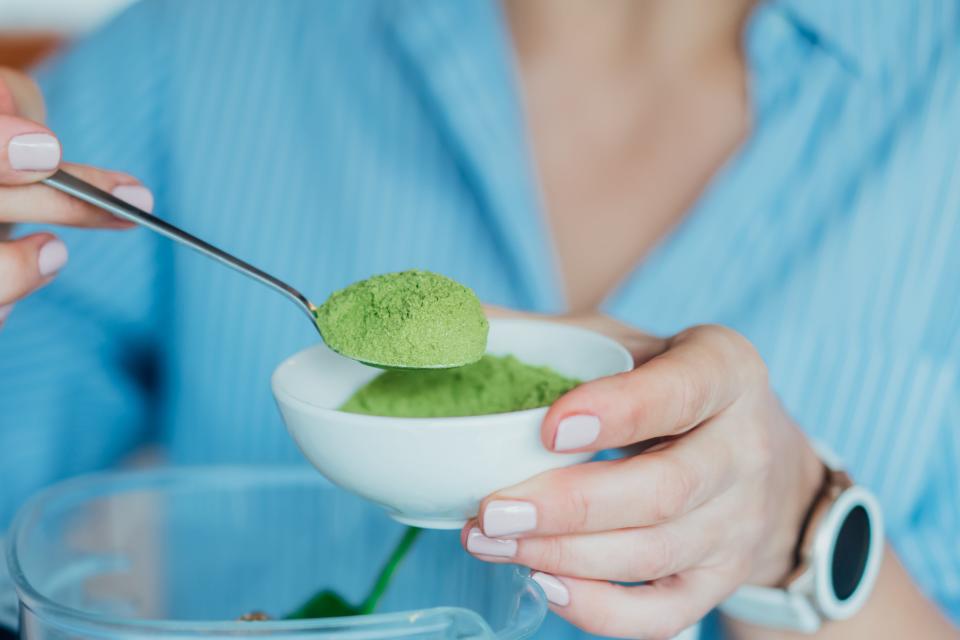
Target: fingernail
[(482, 545), (51, 258), (508, 517), (5, 312), (33, 152), (138, 196), (556, 591), (575, 432)]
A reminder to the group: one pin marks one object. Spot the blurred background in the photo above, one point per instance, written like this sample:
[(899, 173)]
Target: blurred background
[(31, 29)]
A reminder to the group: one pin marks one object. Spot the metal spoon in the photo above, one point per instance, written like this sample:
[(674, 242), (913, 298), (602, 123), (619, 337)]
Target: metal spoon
[(71, 185)]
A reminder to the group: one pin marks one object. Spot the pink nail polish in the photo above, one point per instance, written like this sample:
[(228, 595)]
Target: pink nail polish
[(484, 546), (5, 312), (556, 591), (52, 257), (33, 152), (576, 432), (509, 517), (136, 195)]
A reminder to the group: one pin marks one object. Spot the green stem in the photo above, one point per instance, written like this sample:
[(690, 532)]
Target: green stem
[(327, 603), (389, 568)]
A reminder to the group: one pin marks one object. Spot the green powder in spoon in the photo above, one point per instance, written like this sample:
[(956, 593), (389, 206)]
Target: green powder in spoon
[(411, 319), (495, 384)]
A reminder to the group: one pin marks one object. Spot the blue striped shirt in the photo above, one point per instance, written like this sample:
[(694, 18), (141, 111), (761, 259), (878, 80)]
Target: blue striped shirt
[(328, 141)]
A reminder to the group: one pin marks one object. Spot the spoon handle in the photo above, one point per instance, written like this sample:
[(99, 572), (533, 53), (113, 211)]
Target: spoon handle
[(71, 185)]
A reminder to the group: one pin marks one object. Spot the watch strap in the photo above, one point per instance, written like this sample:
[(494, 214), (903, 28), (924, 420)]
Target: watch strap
[(775, 608)]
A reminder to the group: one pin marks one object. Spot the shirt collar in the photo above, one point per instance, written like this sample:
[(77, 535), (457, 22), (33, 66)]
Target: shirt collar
[(862, 35)]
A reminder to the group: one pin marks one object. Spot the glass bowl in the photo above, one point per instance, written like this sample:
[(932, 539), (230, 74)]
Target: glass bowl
[(184, 552)]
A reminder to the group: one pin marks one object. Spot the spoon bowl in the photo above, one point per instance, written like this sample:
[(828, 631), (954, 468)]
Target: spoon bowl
[(406, 320)]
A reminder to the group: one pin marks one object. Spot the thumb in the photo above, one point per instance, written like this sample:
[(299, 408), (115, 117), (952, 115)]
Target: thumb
[(19, 95)]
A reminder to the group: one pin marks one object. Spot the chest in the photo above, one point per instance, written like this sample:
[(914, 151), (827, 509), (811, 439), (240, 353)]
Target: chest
[(619, 169)]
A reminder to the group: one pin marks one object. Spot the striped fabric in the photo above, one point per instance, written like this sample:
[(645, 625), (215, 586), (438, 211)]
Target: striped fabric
[(328, 141)]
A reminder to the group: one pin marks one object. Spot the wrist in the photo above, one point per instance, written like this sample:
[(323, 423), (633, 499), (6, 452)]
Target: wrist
[(804, 488)]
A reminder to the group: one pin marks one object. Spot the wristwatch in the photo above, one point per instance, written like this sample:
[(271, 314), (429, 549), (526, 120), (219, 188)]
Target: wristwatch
[(838, 558)]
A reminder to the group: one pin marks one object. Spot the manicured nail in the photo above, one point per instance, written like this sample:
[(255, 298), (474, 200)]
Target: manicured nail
[(556, 591), (51, 258), (5, 312), (33, 152), (136, 195), (509, 517), (576, 432), (484, 546)]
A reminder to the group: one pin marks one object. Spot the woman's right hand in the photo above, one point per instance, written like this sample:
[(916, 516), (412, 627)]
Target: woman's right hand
[(29, 152)]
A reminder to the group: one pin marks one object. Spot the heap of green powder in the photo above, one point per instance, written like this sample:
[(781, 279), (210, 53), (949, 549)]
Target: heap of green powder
[(409, 319), (492, 385)]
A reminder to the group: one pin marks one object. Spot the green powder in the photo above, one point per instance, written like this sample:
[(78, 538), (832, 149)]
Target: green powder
[(414, 319), (493, 385)]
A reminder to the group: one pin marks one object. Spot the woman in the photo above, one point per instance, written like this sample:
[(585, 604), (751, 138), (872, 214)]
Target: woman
[(780, 169)]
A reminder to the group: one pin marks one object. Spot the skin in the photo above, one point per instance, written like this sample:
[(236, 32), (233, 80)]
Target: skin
[(626, 126), (22, 200), (720, 477)]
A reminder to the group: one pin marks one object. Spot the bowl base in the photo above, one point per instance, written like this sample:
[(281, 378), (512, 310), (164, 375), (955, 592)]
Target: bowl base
[(429, 523)]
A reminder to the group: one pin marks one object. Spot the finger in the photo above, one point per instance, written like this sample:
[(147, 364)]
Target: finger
[(29, 263), (38, 203), (704, 370), (29, 151), (20, 95), (495, 311), (627, 555), (642, 346), (658, 610), (638, 491)]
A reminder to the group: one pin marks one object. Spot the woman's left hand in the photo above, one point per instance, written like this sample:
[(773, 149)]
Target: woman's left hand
[(715, 498)]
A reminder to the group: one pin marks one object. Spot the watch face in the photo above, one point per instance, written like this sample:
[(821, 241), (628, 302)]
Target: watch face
[(851, 552)]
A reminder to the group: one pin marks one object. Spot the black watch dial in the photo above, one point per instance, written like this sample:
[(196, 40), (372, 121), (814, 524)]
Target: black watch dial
[(851, 552)]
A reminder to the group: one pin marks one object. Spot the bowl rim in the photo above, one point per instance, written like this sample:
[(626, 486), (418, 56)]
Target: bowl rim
[(440, 422), (32, 599)]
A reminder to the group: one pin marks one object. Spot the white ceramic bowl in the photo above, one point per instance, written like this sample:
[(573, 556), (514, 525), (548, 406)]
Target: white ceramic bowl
[(433, 472)]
